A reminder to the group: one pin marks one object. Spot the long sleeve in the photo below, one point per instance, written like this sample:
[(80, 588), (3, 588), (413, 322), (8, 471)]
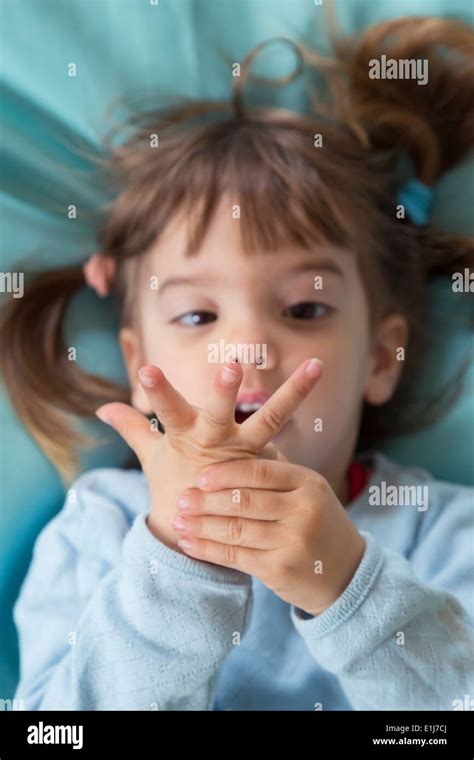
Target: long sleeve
[(394, 640), (111, 618)]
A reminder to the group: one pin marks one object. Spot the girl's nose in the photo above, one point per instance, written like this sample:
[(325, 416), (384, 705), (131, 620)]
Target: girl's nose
[(259, 353)]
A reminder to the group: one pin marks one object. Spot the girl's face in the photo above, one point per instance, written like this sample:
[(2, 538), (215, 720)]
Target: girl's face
[(284, 307)]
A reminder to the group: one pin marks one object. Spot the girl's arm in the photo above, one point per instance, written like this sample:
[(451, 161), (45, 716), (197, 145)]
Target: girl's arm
[(111, 618), (400, 637)]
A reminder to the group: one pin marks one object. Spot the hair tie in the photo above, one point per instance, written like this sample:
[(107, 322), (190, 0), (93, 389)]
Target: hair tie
[(417, 199), (99, 272)]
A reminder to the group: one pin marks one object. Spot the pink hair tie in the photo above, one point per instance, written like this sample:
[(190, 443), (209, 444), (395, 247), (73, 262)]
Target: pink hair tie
[(99, 272)]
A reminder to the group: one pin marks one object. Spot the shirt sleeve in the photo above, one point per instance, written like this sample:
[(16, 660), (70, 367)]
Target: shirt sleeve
[(400, 637), (110, 618)]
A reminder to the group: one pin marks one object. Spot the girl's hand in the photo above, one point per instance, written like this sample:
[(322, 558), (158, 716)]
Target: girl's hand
[(279, 522), (195, 438)]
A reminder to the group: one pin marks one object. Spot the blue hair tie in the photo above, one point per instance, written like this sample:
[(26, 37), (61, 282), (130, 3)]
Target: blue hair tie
[(417, 199)]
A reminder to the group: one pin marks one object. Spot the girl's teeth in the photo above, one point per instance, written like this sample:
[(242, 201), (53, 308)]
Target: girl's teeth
[(244, 407)]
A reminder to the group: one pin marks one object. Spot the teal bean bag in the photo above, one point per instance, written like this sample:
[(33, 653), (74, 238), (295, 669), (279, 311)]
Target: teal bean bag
[(152, 50)]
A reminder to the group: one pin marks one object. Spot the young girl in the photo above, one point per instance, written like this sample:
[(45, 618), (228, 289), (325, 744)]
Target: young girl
[(266, 555)]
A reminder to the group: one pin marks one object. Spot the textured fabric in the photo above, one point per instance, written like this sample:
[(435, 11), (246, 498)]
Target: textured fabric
[(111, 618)]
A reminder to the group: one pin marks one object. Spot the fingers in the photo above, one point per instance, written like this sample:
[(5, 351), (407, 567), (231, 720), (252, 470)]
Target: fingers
[(169, 405), (237, 531), (219, 410), (250, 561), (251, 473), (253, 503), (264, 424), (131, 425)]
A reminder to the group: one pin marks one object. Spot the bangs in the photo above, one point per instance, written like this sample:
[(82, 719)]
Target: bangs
[(275, 188), (287, 191)]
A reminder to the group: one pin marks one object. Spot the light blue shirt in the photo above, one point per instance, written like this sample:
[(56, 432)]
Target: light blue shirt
[(111, 618)]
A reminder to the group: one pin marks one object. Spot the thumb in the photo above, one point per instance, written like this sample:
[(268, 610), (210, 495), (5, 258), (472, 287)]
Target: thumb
[(131, 425)]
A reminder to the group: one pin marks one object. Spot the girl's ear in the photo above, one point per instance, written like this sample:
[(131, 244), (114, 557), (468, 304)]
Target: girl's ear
[(386, 359), (134, 359)]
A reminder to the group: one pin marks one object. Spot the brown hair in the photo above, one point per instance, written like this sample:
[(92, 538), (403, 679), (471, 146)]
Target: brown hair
[(289, 193)]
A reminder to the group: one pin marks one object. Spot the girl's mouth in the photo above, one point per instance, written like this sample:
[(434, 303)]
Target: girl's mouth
[(244, 410)]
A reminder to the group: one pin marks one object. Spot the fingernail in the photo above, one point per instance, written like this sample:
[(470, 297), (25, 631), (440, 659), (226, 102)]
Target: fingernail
[(102, 415), (313, 368), (178, 523), (228, 376), (146, 378), (184, 543), (184, 502), (202, 480)]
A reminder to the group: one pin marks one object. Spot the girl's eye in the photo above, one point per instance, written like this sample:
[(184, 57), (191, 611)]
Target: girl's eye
[(307, 310), (196, 318)]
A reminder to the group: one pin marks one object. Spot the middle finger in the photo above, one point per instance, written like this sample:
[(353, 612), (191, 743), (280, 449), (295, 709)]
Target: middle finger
[(218, 419)]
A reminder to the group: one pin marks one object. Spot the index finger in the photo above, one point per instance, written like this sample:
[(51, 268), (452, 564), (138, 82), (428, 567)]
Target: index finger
[(251, 473), (264, 424)]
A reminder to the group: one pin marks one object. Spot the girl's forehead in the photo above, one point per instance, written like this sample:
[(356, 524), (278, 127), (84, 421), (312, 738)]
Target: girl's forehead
[(222, 249)]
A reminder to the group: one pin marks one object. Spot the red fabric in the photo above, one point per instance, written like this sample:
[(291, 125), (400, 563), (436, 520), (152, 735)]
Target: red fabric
[(358, 477)]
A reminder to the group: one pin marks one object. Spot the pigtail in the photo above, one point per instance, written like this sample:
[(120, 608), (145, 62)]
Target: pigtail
[(45, 388), (407, 131), (429, 118), (431, 123), (445, 255)]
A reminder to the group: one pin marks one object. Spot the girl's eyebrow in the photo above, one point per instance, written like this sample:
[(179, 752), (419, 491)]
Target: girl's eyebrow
[(326, 265), (198, 280), (307, 266)]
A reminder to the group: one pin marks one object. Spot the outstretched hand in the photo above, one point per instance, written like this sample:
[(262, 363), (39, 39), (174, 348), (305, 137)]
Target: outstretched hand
[(196, 438)]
